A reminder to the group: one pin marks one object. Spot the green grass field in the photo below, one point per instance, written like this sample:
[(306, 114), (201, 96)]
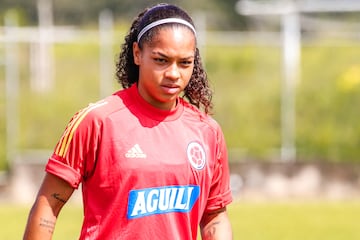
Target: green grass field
[(251, 221)]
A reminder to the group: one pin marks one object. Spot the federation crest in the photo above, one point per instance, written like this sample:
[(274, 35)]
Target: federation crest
[(196, 155)]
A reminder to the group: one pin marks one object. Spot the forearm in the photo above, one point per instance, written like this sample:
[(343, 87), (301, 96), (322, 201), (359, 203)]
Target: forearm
[(41, 221), (216, 226), (52, 196)]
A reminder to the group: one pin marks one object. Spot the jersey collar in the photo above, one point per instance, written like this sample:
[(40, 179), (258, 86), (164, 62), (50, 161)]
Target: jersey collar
[(153, 112)]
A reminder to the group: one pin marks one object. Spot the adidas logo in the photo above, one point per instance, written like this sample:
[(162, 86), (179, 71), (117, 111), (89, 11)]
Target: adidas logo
[(135, 152)]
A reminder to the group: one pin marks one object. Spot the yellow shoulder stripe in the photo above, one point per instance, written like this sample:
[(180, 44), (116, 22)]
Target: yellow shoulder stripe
[(63, 145)]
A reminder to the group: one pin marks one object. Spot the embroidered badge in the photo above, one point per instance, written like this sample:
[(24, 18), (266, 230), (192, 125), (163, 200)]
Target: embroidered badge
[(196, 155)]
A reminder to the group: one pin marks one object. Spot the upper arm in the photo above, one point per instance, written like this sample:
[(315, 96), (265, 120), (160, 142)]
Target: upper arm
[(54, 192), (216, 225)]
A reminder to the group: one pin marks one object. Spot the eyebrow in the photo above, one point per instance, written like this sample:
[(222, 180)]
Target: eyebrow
[(165, 56)]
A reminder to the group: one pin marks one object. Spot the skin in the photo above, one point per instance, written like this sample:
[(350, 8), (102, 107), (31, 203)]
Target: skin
[(53, 194), (216, 225), (165, 68)]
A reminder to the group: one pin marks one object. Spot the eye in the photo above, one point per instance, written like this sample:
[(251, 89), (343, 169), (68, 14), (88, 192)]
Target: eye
[(186, 63), (160, 60)]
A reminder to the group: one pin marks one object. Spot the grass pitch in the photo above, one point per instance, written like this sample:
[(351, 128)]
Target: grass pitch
[(250, 221)]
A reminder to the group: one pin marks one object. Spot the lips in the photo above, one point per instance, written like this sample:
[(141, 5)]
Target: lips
[(170, 89)]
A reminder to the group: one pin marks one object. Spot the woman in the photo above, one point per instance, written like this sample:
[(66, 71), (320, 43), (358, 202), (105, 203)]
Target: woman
[(151, 164)]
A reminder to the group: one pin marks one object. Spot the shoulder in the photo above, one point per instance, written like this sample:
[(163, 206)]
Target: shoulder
[(202, 118), (100, 110)]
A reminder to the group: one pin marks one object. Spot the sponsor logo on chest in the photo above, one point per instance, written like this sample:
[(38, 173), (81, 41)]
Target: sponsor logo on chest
[(150, 201)]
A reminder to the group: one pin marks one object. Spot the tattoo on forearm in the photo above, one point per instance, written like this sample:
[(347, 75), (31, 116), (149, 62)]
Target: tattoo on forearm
[(210, 231), (57, 197), (47, 224)]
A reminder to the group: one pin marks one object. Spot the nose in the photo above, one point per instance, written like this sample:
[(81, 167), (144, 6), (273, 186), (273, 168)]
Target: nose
[(173, 72)]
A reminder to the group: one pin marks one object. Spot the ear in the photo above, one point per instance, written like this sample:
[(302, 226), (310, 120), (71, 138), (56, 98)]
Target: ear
[(136, 53)]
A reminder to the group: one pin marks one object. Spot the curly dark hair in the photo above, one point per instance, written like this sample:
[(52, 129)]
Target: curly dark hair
[(198, 91)]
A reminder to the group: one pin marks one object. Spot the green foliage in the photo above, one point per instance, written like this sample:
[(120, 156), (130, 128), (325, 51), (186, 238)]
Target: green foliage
[(221, 14), (2, 123), (25, 11), (247, 84), (328, 100), (76, 85)]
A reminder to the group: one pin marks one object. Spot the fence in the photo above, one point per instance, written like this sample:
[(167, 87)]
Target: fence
[(46, 83), (76, 67)]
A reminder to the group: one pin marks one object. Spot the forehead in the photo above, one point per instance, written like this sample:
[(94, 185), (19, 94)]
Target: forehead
[(173, 42), (161, 31), (177, 38)]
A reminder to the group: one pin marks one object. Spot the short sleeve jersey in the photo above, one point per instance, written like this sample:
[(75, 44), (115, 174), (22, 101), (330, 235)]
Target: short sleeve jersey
[(145, 173)]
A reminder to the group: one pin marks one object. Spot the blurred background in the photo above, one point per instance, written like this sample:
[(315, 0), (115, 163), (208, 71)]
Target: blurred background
[(286, 76)]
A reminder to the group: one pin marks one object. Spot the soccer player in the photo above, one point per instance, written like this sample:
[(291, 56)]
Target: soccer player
[(151, 161)]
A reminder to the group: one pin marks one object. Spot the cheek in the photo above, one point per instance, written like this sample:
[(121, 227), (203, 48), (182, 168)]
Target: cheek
[(189, 73)]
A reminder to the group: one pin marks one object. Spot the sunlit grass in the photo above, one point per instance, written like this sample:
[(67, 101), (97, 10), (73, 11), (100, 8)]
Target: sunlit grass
[(250, 221)]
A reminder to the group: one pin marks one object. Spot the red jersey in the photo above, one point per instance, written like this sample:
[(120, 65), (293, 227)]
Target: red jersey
[(145, 173)]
